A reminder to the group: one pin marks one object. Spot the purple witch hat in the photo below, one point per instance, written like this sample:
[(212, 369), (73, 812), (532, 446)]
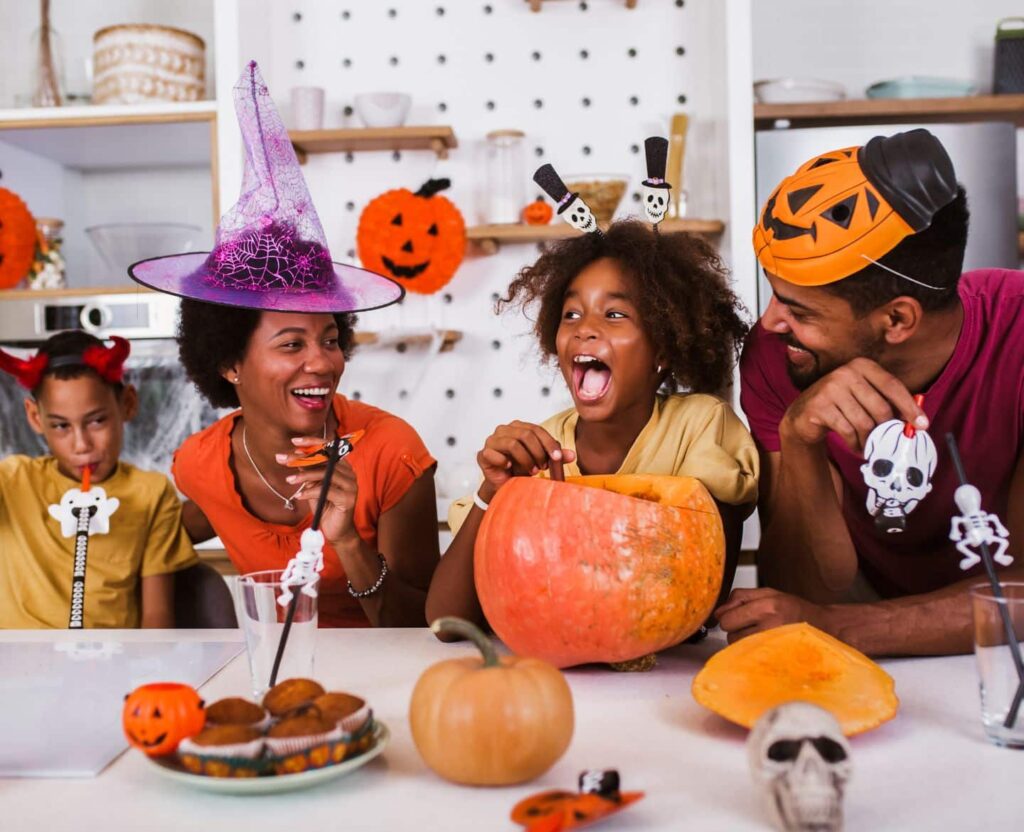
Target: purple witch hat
[(271, 252)]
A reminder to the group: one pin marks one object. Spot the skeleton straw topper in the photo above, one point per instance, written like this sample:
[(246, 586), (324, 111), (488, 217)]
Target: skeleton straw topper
[(900, 463), (570, 206), (656, 191)]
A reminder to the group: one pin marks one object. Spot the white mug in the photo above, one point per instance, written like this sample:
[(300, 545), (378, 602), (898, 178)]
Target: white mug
[(307, 108)]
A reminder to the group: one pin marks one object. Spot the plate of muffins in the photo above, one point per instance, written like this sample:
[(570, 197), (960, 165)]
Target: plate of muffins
[(298, 736)]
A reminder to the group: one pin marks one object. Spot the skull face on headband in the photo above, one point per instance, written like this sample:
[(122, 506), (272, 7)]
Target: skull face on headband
[(655, 191), (847, 208), (570, 206)]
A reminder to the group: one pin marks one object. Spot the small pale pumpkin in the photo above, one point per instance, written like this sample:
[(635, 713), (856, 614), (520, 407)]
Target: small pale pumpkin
[(17, 239), (491, 721), (600, 568), (158, 716), (796, 662)]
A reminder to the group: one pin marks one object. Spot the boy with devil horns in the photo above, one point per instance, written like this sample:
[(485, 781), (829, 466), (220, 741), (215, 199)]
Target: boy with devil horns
[(863, 248), (85, 539)]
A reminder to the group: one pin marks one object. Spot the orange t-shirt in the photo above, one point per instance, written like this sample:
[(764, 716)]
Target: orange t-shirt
[(387, 460)]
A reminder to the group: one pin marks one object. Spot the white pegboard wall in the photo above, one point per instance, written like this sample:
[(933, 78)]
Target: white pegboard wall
[(586, 82)]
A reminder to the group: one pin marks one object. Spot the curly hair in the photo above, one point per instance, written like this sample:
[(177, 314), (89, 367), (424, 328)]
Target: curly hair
[(212, 337), (682, 297)]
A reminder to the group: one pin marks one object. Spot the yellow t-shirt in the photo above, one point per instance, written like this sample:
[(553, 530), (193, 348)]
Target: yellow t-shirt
[(692, 435), (36, 561)]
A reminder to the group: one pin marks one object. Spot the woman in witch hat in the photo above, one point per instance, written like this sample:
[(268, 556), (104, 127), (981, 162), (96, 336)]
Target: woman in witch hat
[(266, 326)]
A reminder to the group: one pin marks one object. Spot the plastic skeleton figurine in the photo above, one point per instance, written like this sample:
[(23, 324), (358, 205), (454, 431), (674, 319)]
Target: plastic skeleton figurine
[(975, 527), (900, 463), (655, 190), (570, 206), (82, 512), (309, 560)]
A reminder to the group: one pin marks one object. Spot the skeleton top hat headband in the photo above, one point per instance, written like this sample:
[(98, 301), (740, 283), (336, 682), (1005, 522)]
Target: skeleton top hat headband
[(655, 189), (570, 206), (107, 362)]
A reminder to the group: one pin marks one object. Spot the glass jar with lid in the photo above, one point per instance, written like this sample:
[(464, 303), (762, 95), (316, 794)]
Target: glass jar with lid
[(505, 182)]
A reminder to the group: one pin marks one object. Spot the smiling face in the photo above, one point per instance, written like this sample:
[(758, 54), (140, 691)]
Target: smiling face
[(82, 420), (604, 353), (820, 330), (290, 370)]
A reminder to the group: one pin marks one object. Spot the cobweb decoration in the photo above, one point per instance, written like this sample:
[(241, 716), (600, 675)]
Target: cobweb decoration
[(272, 238)]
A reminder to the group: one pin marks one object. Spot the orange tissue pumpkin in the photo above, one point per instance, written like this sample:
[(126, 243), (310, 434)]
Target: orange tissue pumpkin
[(796, 662), (158, 716), (599, 568), (17, 239)]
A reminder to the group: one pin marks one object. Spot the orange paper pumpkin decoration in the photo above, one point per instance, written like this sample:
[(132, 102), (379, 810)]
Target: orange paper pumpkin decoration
[(417, 238), (17, 239), (844, 209), (157, 717), (554, 811), (600, 568), (537, 213)]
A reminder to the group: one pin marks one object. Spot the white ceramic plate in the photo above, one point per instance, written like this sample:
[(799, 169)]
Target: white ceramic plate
[(276, 783)]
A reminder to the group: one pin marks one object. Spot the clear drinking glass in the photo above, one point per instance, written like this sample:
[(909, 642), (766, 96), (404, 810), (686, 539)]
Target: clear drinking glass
[(505, 197), (262, 618), (999, 682)]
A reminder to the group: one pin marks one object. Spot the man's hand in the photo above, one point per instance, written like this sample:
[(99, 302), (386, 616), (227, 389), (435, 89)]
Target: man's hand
[(750, 611), (851, 401)]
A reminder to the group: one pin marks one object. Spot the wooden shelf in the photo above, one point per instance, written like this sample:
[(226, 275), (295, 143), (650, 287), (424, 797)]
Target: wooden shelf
[(439, 139), (892, 111), (488, 238), (402, 339)]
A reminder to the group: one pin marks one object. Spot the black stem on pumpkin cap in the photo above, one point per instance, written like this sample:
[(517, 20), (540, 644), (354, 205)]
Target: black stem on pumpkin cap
[(468, 630), (433, 186)]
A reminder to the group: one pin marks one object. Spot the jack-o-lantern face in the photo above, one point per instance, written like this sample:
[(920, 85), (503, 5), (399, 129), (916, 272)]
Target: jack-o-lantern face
[(844, 209), (157, 717), (571, 810), (417, 238), (17, 239)]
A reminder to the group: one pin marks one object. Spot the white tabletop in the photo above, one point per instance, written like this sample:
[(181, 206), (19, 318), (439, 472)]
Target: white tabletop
[(930, 768)]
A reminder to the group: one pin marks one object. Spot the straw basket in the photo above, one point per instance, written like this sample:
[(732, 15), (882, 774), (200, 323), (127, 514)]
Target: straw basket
[(139, 63)]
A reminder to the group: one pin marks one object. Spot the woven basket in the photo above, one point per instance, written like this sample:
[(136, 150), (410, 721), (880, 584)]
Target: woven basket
[(139, 63)]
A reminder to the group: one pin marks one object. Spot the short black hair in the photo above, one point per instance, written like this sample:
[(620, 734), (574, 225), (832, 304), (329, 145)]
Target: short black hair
[(212, 337), (934, 256), (73, 342), (683, 298)]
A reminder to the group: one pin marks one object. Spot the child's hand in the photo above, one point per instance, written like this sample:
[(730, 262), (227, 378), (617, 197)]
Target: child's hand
[(517, 450)]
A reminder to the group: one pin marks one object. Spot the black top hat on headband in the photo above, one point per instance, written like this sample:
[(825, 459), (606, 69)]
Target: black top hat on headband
[(570, 206), (655, 188)]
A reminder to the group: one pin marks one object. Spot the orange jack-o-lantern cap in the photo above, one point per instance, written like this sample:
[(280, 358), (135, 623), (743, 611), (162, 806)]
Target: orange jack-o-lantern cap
[(845, 208)]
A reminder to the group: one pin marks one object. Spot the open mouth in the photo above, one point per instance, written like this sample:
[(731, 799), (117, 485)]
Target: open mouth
[(404, 271), (591, 378), (312, 398)]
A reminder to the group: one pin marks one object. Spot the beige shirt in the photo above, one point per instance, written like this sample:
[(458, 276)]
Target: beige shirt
[(692, 435)]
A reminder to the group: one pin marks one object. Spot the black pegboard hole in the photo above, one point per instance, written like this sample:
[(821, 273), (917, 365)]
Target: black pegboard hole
[(300, 64), (450, 441), (449, 393), (496, 392), (495, 344)]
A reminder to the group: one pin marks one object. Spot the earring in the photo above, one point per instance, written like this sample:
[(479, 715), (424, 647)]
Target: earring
[(235, 380), (660, 369)]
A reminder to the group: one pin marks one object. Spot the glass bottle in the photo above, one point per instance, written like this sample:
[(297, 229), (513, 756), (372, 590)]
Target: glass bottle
[(505, 197)]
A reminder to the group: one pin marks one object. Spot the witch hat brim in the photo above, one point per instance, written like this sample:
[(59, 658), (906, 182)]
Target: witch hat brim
[(185, 275)]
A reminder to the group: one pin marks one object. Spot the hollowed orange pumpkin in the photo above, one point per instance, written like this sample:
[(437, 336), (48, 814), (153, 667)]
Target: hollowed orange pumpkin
[(157, 717), (417, 238), (17, 239), (796, 662), (598, 569)]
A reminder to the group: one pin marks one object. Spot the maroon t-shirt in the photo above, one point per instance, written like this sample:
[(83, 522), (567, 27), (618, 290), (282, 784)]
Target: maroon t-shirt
[(979, 397)]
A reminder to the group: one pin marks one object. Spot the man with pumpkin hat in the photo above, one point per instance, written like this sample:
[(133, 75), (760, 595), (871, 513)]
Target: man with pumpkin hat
[(871, 321)]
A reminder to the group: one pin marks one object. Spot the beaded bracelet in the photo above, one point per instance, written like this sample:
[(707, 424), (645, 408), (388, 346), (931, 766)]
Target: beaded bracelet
[(376, 584)]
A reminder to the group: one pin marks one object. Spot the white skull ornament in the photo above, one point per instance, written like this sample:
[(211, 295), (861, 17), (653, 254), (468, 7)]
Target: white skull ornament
[(800, 762), (655, 201), (578, 214), (898, 472)]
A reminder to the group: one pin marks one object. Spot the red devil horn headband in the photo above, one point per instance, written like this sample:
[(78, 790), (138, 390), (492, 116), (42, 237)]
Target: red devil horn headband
[(108, 362)]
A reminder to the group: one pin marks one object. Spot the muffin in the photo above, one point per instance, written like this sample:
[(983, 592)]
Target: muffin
[(343, 709), (224, 751), (237, 711), (290, 694), (300, 741)]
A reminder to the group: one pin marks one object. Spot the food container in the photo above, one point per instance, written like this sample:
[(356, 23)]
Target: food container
[(505, 180), (139, 63), (601, 191), (796, 90)]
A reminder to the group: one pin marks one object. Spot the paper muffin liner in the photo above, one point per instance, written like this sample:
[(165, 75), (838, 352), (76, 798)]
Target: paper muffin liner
[(326, 753), (353, 723), (244, 759), (286, 746)]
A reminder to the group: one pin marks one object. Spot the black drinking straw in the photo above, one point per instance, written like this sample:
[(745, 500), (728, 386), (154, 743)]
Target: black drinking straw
[(332, 450), (997, 591)]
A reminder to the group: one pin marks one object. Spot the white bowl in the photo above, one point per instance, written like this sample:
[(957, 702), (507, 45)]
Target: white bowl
[(383, 109), (793, 90)]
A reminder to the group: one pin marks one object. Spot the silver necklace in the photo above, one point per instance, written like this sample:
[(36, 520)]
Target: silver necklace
[(289, 502)]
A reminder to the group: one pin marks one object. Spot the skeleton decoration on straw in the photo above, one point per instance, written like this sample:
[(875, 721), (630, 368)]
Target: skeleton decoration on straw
[(300, 575), (570, 205), (900, 463), (978, 528), (655, 190)]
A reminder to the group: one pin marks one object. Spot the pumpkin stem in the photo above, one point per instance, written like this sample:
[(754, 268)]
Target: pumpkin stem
[(433, 186), (468, 630)]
